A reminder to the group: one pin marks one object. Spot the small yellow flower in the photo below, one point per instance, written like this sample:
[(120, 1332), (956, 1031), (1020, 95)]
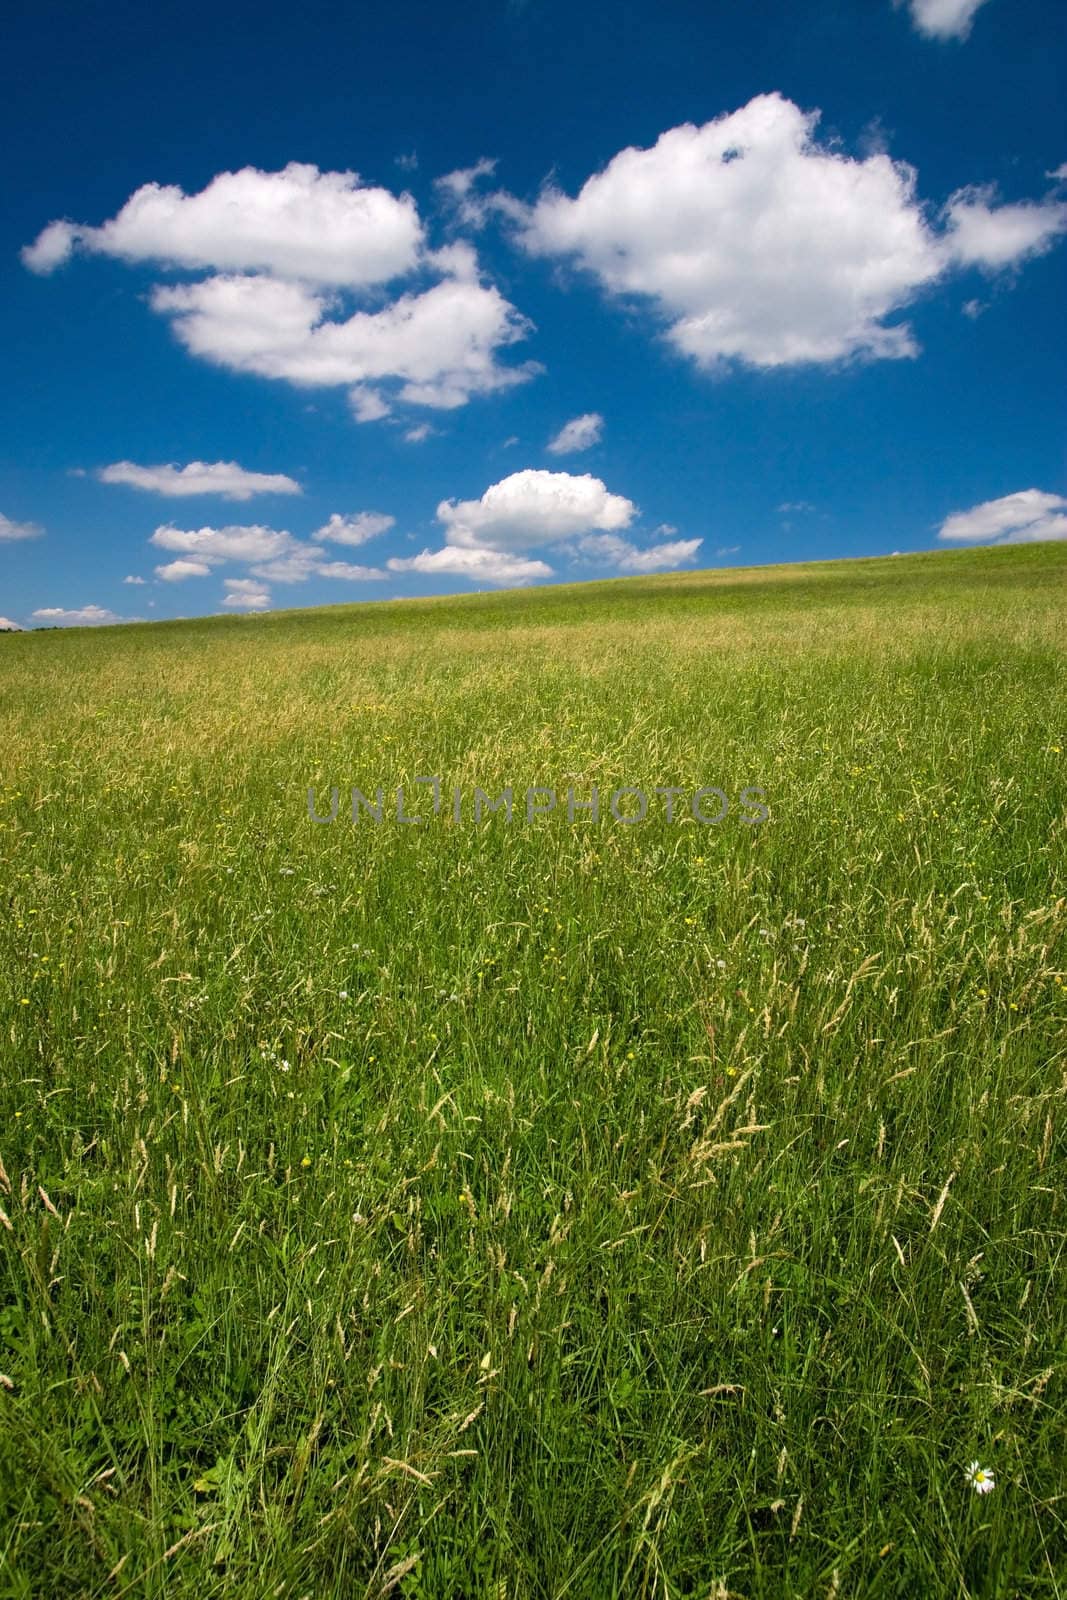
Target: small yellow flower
[(306, 1161)]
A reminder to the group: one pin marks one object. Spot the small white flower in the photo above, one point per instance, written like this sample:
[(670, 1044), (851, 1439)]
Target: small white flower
[(286, 872), (721, 965), (342, 994), (980, 1478), (284, 1066)]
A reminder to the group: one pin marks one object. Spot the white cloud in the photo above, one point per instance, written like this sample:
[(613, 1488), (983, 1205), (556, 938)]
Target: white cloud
[(367, 404), (8, 626), (533, 508), (215, 545), (10, 531), (270, 555), (1028, 516), (83, 617), (302, 563), (795, 505), (943, 19), (286, 251), (419, 433), (491, 565), (246, 594), (131, 579), (727, 549), (224, 478), (627, 557), (319, 227), (981, 234), (758, 244), (578, 434), (175, 571), (459, 190), (354, 529), (349, 572), (440, 345)]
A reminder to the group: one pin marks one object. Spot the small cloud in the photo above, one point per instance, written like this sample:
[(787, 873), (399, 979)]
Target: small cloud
[(246, 594), (492, 566), (457, 188), (223, 478), (1029, 516), (175, 571), (367, 404), (354, 529), (9, 531), (627, 557), (513, 439), (131, 579), (974, 308), (408, 162), (581, 433), (795, 505), (942, 19), (349, 572), (419, 433), (7, 626), (82, 617), (727, 549)]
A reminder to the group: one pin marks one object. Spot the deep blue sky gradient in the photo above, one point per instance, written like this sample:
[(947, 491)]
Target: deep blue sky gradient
[(95, 101)]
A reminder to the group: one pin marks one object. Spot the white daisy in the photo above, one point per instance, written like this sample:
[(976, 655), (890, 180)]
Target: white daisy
[(980, 1478)]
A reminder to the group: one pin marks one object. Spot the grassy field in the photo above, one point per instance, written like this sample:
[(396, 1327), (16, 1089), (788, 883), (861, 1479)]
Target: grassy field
[(549, 1208)]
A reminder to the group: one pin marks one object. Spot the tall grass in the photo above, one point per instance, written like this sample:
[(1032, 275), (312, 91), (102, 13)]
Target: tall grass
[(555, 1208)]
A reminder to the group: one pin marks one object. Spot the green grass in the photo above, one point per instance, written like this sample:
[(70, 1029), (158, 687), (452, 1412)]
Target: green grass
[(667, 1210)]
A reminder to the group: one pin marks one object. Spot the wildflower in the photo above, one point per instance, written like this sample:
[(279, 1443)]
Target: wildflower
[(721, 965), (306, 1162), (286, 872), (284, 1065), (342, 994), (980, 1478)]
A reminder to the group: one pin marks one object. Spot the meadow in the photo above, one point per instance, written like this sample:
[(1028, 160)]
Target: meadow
[(550, 1209)]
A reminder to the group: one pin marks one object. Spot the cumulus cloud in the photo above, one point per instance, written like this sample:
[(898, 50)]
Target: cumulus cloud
[(492, 566), (215, 545), (492, 538), (271, 555), (175, 571), (534, 508), (82, 617), (942, 19), (7, 626), (757, 244), (245, 594), (354, 529), (627, 557), (1028, 516), (350, 572), (982, 234), (285, 252), (440, 345), (579, 434), (10, 531), (318, 227), (223, 478)]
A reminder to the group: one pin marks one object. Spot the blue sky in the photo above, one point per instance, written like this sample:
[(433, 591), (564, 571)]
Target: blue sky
[(658, 315)]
